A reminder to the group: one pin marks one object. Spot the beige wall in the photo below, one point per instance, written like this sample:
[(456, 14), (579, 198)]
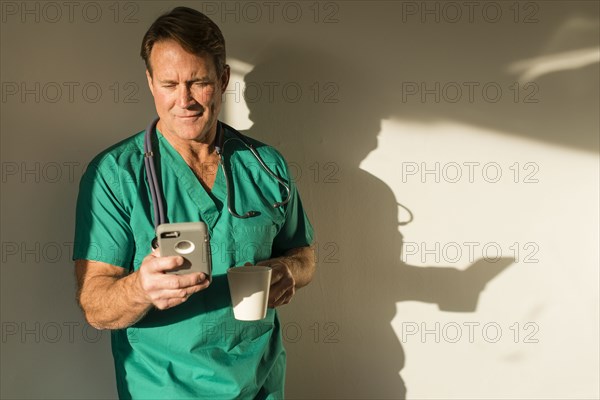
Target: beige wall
[(478, 119)]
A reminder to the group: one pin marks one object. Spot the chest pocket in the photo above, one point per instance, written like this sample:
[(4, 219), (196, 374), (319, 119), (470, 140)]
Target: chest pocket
[(254, 242)]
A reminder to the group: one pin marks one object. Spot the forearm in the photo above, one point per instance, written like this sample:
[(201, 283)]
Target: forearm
[(113, 303), (301, 262)]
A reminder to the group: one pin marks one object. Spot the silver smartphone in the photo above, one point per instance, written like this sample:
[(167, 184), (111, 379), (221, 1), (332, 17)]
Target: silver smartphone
[(189, 240)]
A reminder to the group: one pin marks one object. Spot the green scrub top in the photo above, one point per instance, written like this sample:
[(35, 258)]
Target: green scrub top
[(197, 349)]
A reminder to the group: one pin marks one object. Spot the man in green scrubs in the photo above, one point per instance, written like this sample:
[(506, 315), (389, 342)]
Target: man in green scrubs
[(174, 336)]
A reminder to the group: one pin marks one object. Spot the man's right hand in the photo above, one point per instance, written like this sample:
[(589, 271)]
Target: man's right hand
[(165, 290), (112, 298)]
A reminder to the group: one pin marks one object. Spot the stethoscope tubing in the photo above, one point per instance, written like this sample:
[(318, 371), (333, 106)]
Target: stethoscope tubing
[(152, 178), (156, 190)]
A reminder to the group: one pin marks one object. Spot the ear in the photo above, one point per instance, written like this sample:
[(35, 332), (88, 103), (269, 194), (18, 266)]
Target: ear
[(225, 78), (149, 77)]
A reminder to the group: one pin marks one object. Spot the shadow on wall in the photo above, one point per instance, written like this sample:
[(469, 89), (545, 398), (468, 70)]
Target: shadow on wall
[(324, 139), (327, 130), (535, 80)]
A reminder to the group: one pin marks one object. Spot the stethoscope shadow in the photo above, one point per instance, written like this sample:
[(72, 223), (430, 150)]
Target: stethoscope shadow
[(215, 297)]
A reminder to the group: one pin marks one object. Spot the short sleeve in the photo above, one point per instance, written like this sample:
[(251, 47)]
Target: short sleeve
[(102, 230), (296, 230)]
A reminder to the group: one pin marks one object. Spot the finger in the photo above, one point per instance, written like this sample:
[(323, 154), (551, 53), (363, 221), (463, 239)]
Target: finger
[(278, 272), (164, 264), (165, 304), (281, 301), (279, 294), (155, 282), (282, 276), (276, 290), (276, 278), (272, 299), (285, 297), (183, 293), (178, 296), (174, 282), (284, 300)]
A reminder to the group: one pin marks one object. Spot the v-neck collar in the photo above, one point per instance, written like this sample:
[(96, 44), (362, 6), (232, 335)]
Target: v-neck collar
[(209, 203)]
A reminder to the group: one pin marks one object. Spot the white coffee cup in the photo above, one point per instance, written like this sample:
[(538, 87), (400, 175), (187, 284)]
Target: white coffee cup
[(249, 287)]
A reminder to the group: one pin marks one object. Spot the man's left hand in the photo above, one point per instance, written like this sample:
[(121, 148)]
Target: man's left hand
[(283, 285)]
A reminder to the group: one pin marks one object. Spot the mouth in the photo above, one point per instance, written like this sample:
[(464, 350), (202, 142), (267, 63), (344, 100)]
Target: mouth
[(189, 116)]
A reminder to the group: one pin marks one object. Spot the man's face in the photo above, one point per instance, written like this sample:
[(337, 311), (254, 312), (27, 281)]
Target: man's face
[(187, 91)]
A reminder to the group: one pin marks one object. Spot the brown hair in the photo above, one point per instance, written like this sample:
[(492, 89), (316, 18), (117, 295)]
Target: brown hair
[(194, 31)]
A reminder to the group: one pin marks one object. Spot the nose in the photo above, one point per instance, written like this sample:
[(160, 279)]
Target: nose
[(184, 97)]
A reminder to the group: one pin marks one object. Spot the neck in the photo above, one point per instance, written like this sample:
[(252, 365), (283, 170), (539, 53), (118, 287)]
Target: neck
[(193, 151)]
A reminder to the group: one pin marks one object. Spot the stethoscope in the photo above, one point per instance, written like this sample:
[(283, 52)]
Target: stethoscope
[(156, 190)]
